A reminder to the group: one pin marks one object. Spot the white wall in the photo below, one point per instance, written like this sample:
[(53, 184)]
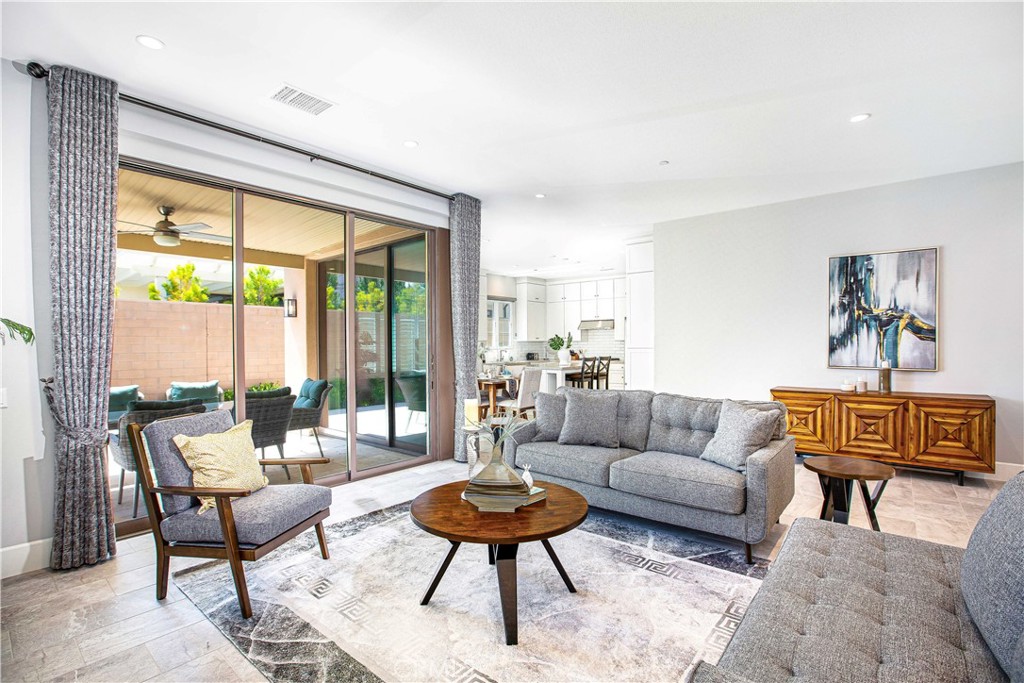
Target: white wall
[(742, 297), (26, 466), (295, 369)]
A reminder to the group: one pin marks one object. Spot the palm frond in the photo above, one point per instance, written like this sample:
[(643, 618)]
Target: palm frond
[(15, 329)]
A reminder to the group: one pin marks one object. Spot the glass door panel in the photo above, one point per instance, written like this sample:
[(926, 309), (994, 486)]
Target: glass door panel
[(409, 336), (289, 291), (372, 423)]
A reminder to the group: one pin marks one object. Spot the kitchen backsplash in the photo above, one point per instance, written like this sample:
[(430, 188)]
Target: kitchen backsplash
[(593, 342)]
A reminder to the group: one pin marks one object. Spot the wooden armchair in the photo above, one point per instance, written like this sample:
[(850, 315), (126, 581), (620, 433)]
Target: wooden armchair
[(243, 529)]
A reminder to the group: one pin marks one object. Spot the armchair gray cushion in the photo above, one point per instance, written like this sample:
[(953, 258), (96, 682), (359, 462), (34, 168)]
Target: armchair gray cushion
[(992, 577), (122, 451), (168, 464), (741, 431), (259, 518), (680, 479), (550, 411), (591, 418)]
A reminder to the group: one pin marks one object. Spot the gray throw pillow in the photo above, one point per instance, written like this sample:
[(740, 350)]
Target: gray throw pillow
[(591, 419), (550, 416), (741, 431)]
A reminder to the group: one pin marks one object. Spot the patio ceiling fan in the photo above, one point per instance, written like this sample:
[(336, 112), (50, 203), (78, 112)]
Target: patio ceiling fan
[(167, 234)]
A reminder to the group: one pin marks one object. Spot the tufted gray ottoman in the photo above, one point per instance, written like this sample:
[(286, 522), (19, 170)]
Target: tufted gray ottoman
[(848, 604)]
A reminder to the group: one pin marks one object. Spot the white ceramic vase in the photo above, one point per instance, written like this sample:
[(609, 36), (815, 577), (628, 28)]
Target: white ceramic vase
[(563, 356)]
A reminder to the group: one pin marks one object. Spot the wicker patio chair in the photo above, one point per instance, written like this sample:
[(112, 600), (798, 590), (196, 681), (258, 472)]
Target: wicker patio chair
[(309, 409), (270, 419)]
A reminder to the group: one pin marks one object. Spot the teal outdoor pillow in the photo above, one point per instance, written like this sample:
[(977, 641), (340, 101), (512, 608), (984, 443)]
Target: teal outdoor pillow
[(120, 397), (310, 393), (163, 405), (204, 390)]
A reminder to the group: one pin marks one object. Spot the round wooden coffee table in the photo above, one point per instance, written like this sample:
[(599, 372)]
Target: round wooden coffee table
[(442, 512), (836, 475)]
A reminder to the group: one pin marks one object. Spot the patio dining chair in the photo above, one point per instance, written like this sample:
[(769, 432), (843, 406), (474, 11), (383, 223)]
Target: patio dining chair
[(271, 418), (308, 409), (248, 524)]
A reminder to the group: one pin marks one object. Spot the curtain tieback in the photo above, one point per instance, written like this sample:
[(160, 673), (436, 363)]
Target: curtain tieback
[(84, 436)]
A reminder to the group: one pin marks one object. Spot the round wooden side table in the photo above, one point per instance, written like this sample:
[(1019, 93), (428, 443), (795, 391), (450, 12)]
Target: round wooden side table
[(442, 512), (836, 475)]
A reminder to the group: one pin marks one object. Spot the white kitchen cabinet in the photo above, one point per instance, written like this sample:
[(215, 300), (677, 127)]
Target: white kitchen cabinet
[(605, 308), (640, 369), (617, 376), (530, 320), (535, 292), (572, 291), (573, 316), (605, 289), (555, 316), (620, 305), (640, 330), (619, 289), (588, 290), (556, 294)]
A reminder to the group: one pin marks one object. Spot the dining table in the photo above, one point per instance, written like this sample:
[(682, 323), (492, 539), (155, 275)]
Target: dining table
[(492, 385)]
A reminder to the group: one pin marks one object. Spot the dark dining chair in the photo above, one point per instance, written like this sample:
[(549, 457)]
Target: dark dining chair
[(604, 365), (587, 375), (248, 524)]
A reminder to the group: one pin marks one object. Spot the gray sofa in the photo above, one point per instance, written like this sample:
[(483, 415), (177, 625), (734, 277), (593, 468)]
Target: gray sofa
[(848, 604), (656, 471)]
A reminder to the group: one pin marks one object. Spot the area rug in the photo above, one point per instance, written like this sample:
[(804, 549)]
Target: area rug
[(650, 600)]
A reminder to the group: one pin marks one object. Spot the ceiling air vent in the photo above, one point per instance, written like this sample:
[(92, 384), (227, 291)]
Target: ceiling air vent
[(303, 101)]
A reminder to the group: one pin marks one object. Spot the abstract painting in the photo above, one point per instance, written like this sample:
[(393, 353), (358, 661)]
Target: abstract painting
[(883, 306)]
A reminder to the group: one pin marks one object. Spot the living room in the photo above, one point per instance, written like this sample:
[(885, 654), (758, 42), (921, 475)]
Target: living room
[(731, 165)]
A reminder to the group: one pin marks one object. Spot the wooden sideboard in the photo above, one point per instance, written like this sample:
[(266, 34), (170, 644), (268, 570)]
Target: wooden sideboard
[(943, 431)]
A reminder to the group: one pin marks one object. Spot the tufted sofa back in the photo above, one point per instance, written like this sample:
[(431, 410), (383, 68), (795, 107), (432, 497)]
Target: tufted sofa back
[(685, 424)]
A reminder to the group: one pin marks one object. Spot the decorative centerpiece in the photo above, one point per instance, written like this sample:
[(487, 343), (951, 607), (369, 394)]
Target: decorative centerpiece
[(561, 347), (497, 487)]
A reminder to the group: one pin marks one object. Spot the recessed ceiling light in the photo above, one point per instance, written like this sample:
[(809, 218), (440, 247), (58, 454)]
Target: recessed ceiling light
[(857, 118), (540, 196), (411, 144), (150, 42), (663, 162)]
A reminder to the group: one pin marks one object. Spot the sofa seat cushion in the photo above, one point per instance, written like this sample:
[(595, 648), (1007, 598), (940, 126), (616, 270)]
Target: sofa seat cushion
[(587, 464), (683, 480), (847, 604), (260, 517)]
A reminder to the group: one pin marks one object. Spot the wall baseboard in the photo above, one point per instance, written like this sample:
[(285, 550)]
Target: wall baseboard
[(25, 557), (1004, 471)]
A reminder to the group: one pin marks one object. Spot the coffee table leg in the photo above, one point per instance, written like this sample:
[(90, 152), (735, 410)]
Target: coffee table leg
[(826, 492), (558, 566), (871, 500), (841, 492), (506, 561), (442, 568)]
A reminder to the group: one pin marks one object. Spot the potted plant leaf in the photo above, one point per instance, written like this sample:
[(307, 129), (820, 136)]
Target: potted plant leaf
[(561, 347)]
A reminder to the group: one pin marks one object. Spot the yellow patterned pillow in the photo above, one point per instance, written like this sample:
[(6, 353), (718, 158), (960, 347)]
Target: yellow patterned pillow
[(225, 460)]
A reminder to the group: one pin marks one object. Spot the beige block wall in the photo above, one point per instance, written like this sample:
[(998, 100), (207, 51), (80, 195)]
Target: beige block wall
[(158, 342)]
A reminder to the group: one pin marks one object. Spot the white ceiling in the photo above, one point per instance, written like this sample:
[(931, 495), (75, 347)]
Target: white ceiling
[(748, 102)]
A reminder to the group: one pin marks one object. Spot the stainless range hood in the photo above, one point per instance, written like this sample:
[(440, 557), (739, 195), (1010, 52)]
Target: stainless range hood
[(597, 325)]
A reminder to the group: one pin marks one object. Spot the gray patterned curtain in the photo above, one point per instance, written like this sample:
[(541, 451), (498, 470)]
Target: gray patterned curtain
[(83, 205), (464, 226)]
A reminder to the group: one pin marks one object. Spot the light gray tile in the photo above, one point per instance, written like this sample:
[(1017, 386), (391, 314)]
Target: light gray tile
[(128, 633), (129, 666), (242, 666), (210, 668), (127, 582), (46, 663), (186, 644)]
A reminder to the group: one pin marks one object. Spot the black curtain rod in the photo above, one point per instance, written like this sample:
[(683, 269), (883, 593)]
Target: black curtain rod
[(37, 70)]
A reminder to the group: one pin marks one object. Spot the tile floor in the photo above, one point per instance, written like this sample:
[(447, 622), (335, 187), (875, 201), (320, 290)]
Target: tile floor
[(103, 623)]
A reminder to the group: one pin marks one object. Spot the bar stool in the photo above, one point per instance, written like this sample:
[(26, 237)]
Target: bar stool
[(604, 364), (587, 375)]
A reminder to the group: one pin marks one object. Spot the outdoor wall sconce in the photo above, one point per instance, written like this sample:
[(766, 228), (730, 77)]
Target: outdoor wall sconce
[(291, 308)]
